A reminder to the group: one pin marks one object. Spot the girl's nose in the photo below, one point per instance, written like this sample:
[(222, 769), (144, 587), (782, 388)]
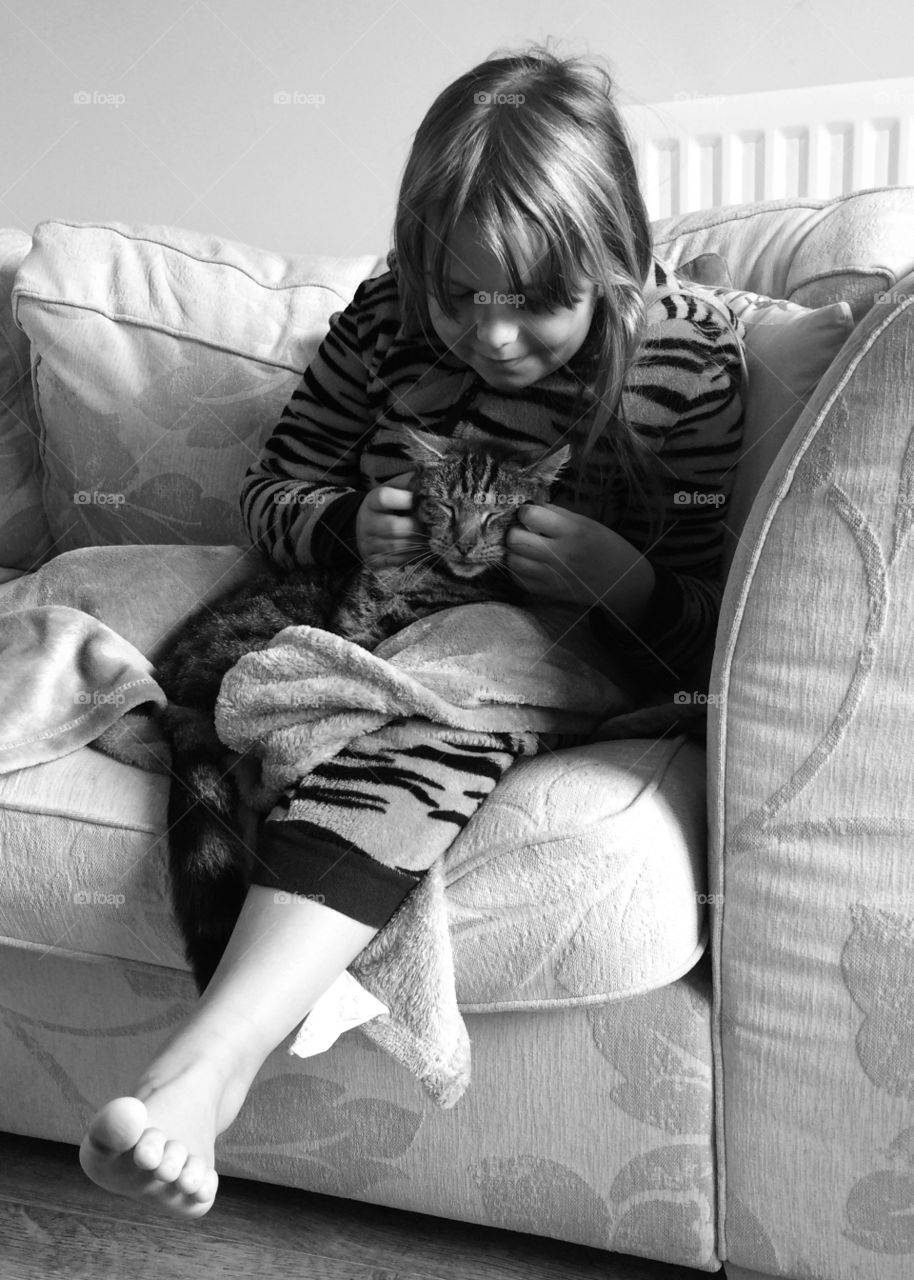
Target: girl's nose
[(496, 327)]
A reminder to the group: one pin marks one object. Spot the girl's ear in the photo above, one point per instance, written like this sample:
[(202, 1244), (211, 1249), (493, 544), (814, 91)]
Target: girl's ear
[(546, 469), (425, 448)]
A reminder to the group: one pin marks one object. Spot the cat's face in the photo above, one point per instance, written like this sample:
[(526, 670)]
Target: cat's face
[(468, 495)]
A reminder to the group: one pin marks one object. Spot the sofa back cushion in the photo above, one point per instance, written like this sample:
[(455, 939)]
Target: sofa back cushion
[(162, 359), (788, 349), (25, 537)]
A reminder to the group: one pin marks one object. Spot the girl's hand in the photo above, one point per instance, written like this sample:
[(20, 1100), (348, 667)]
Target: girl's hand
[(564, 556), (384, 538)]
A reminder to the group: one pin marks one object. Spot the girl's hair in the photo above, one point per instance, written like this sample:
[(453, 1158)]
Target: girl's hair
[(531, 142)]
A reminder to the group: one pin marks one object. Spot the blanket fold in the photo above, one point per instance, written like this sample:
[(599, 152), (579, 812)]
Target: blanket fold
[(483, 668), (65, 680)]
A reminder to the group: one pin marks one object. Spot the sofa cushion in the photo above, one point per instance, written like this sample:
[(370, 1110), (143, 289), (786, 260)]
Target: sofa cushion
[(810, 251), (163, 358), (788, 349), (580, 880), (25, 536)]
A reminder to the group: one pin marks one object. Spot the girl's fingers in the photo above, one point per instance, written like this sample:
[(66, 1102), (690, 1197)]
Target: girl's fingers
[(543, 518), (401, 481), (529, 570), (533, 546), (391, 499), (397, 527)]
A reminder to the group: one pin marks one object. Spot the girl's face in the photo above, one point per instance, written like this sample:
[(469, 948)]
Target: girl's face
[(510, 340)]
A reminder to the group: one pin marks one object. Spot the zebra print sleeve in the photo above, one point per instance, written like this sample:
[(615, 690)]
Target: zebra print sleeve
[(685, 394), (312, 457)]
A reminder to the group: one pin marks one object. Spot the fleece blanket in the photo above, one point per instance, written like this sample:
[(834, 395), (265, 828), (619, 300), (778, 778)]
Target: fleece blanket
[(479, 668), (65, 679)]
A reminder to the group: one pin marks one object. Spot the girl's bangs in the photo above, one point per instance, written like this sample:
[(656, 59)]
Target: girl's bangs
[(538, 263)]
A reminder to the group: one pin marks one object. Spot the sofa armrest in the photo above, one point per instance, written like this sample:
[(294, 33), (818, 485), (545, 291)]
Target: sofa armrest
[(811, 808)]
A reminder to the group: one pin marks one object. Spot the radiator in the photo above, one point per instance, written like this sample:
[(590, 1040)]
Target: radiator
[(702, 151)]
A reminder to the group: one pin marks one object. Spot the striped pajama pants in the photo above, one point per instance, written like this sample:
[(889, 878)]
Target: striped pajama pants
[(359, 831)]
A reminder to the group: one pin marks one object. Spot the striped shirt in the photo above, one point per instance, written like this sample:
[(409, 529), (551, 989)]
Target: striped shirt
[(339, 436)]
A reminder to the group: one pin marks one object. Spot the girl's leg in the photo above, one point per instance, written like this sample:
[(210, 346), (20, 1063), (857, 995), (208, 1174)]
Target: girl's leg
[(157, 1144), (353, 838)]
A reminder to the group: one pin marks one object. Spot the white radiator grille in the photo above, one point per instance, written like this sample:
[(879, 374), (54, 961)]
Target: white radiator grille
[(703, 152)]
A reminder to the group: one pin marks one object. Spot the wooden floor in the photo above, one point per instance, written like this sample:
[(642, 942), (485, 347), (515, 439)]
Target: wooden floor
[(55, 1223)]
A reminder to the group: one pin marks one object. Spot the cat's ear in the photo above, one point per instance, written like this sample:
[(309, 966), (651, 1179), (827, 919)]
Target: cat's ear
[(545, 469), (423, 447)]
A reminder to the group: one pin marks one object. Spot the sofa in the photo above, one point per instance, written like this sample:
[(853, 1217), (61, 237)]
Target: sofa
[(704, 1054)]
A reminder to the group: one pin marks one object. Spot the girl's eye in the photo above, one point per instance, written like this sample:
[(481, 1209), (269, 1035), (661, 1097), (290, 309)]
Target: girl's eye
[(539, 305)]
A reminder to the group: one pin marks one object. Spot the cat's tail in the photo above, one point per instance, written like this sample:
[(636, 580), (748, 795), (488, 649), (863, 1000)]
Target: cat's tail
[(209, 850)]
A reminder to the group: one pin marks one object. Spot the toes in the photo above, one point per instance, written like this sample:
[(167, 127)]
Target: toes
[(124, 1154), (149, 1150), (174, 1158), (118, 1126), (206, 1192), (191, 1178)]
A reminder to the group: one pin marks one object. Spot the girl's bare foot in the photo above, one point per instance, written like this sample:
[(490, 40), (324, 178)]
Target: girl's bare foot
[(158, 1145)]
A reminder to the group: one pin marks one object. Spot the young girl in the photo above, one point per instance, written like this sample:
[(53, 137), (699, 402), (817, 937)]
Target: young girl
[(521, 298)]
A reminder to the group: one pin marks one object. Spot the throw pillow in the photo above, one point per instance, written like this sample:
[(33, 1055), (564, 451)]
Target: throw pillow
[(25, 538), (706, 268), (788, 349), (163, 358)]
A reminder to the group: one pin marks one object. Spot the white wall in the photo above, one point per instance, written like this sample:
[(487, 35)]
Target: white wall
[(181, 126)]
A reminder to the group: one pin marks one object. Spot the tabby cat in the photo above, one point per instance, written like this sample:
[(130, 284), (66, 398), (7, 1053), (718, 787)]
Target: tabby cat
[(466, 496)]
